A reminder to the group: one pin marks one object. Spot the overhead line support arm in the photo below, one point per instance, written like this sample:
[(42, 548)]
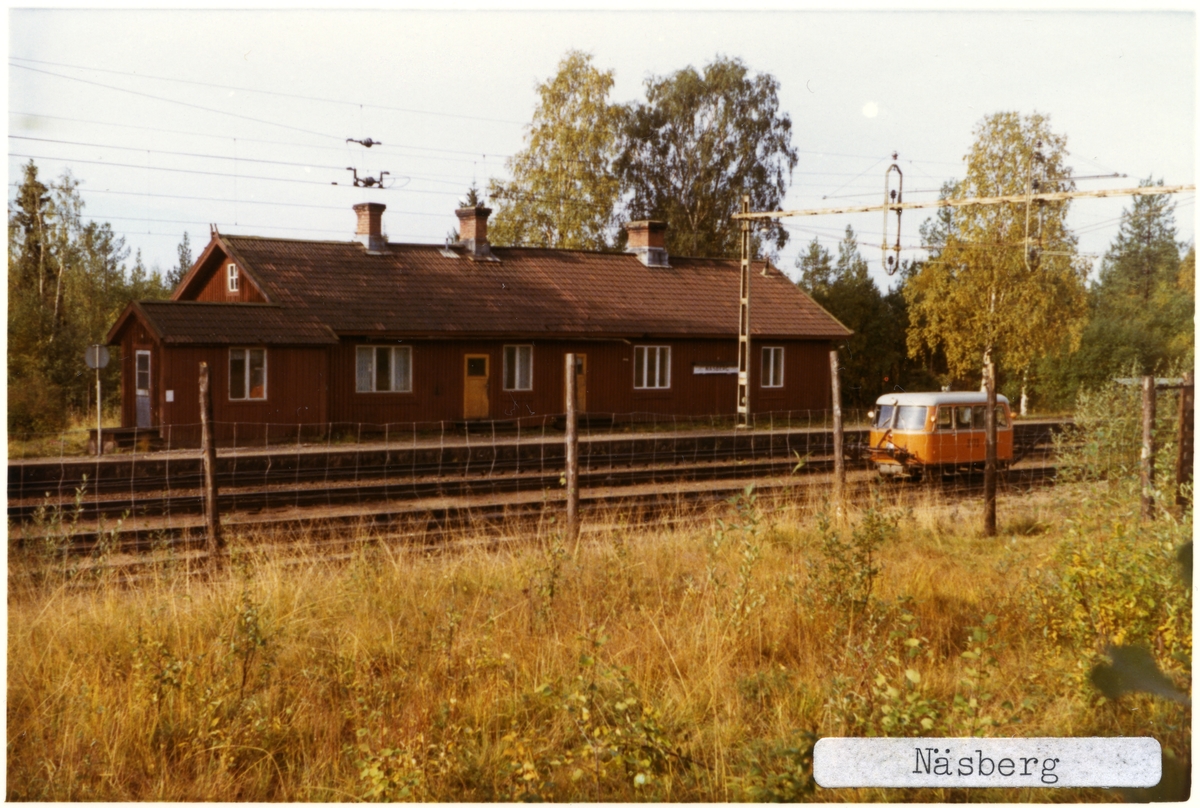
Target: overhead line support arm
[(1057, 196)]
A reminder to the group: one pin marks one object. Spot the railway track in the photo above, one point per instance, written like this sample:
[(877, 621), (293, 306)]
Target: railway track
[(415, 490)]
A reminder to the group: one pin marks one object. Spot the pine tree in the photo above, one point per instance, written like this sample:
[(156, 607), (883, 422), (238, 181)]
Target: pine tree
[(870, 359), (176, 273), (1141, 306)]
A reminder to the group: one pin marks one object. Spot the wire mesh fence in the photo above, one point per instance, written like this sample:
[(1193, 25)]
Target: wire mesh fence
[(151, 480)]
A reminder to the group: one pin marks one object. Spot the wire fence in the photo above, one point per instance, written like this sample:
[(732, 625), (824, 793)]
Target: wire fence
[(150, 482)]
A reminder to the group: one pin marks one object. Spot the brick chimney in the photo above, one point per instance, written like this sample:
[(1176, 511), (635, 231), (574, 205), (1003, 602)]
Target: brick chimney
[(472, 231), (370, 226), (647, 240)]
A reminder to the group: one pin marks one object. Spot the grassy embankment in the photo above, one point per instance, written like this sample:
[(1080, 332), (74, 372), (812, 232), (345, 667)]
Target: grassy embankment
[(642, 664)]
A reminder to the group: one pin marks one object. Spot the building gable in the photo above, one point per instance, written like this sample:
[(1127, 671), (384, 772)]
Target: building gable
[(219, 276)]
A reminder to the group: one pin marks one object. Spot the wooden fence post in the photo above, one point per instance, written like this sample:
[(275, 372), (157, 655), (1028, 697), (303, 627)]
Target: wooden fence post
[(839, 461), (215, 543), (989, 456), (1148, 447), (572, 472), (1187, 437)]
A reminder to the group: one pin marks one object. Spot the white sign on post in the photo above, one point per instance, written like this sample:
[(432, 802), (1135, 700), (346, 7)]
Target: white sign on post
[(96, 357)]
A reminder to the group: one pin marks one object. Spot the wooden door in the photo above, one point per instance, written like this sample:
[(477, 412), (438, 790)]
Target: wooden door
[(581, 382), (142, 387), (476, 373)]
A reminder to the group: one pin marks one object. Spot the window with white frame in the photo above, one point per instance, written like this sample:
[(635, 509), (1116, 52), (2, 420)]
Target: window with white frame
[(772, 367), (651, 367), (384, 369), (247, 374), (518, 367), (231, 274), (143, 372)]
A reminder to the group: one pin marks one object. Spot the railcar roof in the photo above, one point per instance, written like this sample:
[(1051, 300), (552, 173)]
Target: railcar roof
[(936, 399)]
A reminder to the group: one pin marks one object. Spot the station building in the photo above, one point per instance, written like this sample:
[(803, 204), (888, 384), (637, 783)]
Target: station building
[(311, 333)]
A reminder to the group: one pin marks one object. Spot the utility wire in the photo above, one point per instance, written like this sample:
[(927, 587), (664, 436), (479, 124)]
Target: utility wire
[(213, 173), (174, 153), (180, 103), (426, 177), (341, 148), (272, 92), (88, 191)]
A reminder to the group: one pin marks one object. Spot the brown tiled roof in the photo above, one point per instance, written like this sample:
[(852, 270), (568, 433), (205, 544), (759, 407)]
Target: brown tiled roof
[(193, 323), (416, 289)]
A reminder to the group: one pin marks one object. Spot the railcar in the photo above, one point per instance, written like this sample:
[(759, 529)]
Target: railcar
[(916, 433)]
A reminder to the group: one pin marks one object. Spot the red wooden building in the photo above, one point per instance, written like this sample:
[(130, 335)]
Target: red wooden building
[(365, 331)]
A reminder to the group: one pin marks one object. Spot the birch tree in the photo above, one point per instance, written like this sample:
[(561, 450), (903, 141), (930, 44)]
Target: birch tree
[(1004, 282), (563, 192), (701, 141)]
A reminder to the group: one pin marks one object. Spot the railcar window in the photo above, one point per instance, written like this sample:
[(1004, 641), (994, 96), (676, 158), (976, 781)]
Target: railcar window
[(1001, 417), (911, 418), (963, 420), (977, 418), (884, 419), (945, 418)]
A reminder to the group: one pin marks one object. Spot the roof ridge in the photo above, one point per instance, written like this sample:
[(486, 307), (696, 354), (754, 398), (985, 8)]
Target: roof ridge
[(257, 304)]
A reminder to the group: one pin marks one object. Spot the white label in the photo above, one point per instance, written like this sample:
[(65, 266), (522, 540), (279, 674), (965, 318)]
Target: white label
[(714, 370), (170, 395), (987, 762)]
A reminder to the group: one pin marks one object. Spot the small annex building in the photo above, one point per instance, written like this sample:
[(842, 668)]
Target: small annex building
[(313, 333)]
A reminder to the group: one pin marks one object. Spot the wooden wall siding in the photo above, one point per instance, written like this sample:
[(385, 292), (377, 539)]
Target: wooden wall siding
[(138, 338), (438, 381), (215, 288), (297, 389), (315, 385), (297, 383)]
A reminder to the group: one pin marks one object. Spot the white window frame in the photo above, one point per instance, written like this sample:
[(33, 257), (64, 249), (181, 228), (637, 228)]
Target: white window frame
[(518, 358), (661, 379), (232, 278), (137, 373), (772, 369), (246, 352), (400, 382)]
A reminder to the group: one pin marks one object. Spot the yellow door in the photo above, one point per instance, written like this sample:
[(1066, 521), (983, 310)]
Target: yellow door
[(475, 385)]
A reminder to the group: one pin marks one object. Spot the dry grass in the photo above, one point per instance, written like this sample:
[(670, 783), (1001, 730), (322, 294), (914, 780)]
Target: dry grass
[(71, 441), (643, 663)]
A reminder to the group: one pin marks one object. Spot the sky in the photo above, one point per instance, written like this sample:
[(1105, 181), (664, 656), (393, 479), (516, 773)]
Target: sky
[(174, 120)]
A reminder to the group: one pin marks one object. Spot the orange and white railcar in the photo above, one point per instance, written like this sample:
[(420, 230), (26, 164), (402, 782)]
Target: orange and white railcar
[(912, 433)]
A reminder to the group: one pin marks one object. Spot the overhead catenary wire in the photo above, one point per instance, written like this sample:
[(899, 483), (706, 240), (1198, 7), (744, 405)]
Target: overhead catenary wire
[(181, 103), (205, 223), (217, 173), (87, 191), (234, 158), (296, 96), (339, 148)]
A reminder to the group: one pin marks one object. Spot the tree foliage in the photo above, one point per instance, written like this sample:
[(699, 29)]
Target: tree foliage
[(563, 192), (1001, 280), (67, 282), (699, 143), (1142, 304), (872, 360), (176, 273)]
